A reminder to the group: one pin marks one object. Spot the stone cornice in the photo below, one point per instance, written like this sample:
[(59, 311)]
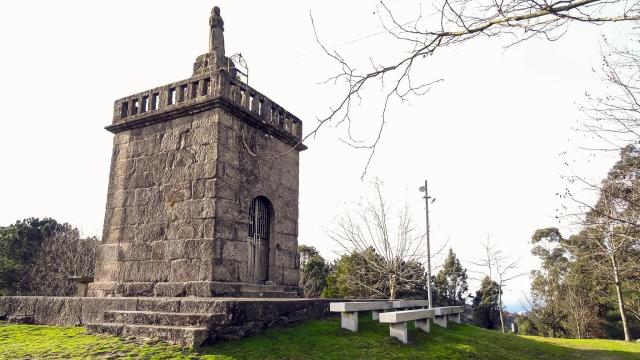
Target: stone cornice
[(195, 108)]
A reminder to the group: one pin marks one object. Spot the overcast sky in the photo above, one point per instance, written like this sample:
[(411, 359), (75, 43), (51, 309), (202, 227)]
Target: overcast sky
[(488, 138)]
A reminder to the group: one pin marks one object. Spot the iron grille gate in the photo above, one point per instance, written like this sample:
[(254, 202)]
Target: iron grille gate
[(259, 226), (259, 219)]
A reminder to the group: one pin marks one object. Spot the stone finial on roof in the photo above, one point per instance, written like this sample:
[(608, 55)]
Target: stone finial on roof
[(216, 35)]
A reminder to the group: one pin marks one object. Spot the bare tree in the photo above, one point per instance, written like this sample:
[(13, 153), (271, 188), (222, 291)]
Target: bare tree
[(582, 309), (452, 22), (610, 235), (633, 304), (390, 255), (611, 226), (614, 118), (611, 243), (500, 268), (61, 255)]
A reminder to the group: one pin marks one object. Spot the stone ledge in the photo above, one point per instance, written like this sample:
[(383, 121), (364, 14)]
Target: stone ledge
[(193, 288), (243, 316)]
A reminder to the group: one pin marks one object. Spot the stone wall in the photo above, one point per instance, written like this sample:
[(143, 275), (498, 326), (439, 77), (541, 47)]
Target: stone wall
[(254, 164), (159, 221)]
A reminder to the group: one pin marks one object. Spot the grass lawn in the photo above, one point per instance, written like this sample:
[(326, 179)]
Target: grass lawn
[(313, 340)]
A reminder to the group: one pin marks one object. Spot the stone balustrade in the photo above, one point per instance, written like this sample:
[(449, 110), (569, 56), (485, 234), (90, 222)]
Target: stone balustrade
[(200, 90)]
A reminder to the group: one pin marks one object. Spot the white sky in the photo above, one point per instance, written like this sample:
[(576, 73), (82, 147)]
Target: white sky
[(488, 138)]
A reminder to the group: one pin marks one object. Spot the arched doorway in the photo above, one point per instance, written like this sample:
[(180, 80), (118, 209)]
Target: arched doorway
[(260, 215)]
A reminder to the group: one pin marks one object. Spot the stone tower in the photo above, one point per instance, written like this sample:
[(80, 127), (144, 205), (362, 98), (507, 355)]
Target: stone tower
[(203, 189)]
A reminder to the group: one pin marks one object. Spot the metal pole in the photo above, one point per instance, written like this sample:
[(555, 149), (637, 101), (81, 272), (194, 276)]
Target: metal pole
[(426, 201)]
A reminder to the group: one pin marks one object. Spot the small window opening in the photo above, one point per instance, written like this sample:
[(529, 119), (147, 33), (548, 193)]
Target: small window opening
[(260, 105), (194, 89), (184, 92), (251, 100), (205, 86), (135, 106), (145, 104), (243, 96), (155, 101), (125, 109), (172, 96)]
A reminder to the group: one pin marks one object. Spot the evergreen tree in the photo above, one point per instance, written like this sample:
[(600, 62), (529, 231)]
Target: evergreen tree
[(450, 284), (19, 244), (314, 276), (486, 312), (305, 253)]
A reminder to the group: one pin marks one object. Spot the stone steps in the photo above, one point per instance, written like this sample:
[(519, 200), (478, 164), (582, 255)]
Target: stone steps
[(162, 318), (179, 335), (260, 287), (186, 329), (269, 294)]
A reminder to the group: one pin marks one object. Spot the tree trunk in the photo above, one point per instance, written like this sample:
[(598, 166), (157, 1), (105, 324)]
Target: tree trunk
[(616, 277), (500, 308)]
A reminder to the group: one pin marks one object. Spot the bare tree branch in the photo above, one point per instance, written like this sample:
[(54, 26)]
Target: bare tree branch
[(459, 21)]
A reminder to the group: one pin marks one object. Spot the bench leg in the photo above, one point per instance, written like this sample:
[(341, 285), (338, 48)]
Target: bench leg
[(375, 314), (424, 325), (454, 317), (399, 331), (349, 321), (441, 320)]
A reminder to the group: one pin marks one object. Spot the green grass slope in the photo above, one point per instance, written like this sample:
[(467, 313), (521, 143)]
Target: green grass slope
[(313, 340)]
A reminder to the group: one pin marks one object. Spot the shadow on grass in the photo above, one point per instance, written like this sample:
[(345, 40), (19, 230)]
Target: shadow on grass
[(324, 339)]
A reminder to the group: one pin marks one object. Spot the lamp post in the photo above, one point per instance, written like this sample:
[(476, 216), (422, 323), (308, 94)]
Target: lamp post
[(425, 190)]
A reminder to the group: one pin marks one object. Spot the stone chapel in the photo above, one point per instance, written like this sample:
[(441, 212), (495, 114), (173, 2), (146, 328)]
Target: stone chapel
[(203, 189)]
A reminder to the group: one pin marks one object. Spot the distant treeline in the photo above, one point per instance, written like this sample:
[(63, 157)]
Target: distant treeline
[(588, 284), (38, 256)]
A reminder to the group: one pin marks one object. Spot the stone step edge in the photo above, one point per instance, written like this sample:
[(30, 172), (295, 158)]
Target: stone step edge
[(163, 318), (167, 327), (283, 294), (244, 286), (161, 313), (183, 335)]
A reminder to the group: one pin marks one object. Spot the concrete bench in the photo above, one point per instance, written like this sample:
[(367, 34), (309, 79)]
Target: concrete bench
[(349, 311), (407, 304), (397, 320), (447, 312)]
